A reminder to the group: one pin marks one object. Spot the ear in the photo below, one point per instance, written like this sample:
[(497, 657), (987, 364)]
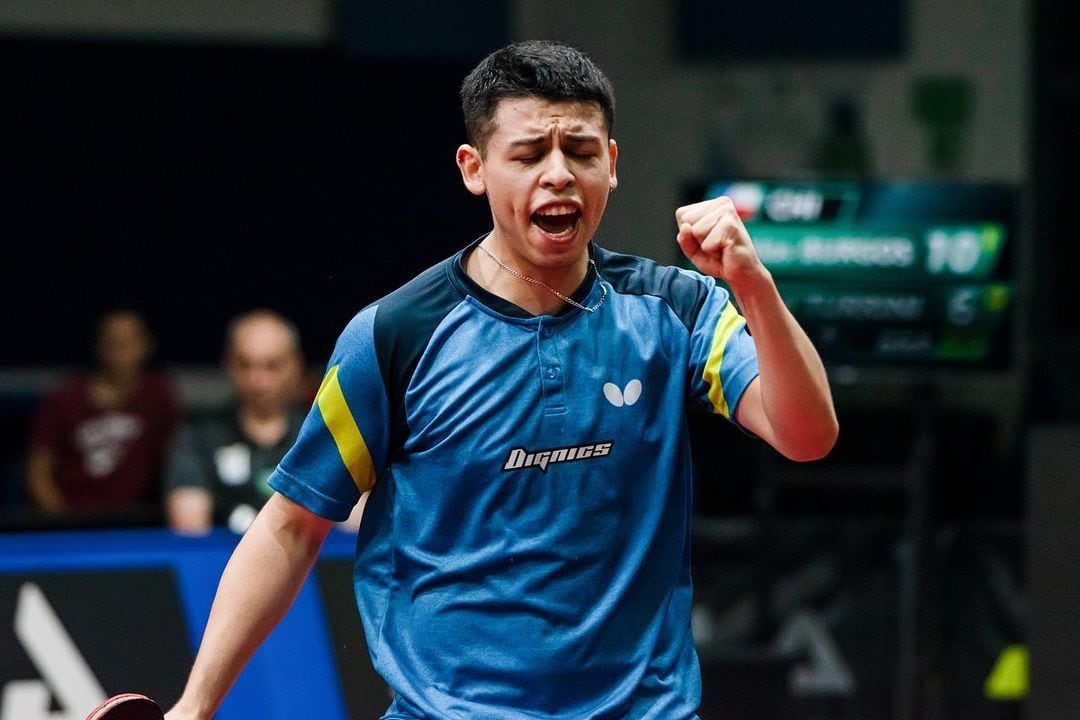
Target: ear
[(471, 166), (613, 153)]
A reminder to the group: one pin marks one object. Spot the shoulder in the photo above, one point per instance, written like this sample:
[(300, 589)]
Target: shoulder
[(422, 302), (160, 386), (685, 292), (70, 395), (377, 352), (297, 415), (58, 410), (72, 387), (399, 325)]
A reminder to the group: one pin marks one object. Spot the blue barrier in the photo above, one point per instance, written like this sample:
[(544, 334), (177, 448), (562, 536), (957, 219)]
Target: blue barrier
[(134, 604)]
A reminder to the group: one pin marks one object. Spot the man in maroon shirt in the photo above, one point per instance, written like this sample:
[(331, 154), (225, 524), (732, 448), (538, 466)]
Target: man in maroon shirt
[(98, 441)]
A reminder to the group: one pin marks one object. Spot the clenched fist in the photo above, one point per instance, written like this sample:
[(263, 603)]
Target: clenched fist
[(713, 237)]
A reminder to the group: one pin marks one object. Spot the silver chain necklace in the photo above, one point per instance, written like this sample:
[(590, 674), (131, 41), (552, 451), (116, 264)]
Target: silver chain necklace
[(553, 291)]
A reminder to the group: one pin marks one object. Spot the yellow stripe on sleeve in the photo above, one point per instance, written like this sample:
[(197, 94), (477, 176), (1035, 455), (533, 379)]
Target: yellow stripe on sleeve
[(339, 421), (730, 321)]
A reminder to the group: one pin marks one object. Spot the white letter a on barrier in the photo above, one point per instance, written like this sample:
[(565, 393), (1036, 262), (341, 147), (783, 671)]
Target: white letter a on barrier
[(65, 674)]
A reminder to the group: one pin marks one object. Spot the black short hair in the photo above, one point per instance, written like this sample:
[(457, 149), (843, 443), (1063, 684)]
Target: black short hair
[(534, 68)]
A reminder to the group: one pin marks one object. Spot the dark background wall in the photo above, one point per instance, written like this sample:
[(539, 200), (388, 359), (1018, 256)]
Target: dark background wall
[(193, 181)]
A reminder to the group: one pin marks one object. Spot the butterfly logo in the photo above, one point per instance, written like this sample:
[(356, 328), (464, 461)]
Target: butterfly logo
[(627, 396)]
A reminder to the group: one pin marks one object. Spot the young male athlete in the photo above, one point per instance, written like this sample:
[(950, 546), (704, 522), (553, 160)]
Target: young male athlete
[(517, 413)]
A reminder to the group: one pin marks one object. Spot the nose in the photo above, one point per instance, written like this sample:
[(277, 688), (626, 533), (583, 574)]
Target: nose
[(556, 172)]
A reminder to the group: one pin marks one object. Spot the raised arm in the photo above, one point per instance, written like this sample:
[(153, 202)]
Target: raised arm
[(789, 405), (260, 582)]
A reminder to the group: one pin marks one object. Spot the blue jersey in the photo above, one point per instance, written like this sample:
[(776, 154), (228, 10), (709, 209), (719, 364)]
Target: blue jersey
[(525, 551)]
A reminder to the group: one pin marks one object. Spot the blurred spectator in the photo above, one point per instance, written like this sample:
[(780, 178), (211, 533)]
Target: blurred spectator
[(217, 471), (97, 443)]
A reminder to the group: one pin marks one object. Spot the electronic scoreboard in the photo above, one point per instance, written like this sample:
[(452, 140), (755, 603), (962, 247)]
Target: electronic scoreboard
[(888, 273)]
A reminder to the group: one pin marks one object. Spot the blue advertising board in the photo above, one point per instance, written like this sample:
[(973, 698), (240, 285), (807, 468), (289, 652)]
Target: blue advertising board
[(85, 614)]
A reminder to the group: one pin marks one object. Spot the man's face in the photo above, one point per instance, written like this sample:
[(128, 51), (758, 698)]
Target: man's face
[(547, 169), (123, 345), (264, 366)]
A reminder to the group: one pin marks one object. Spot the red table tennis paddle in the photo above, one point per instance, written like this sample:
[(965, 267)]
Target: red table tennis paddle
[(127, 706)]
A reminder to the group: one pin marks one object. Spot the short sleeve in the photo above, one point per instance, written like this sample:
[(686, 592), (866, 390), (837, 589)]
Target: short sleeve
[(723, 358), (342, 446)]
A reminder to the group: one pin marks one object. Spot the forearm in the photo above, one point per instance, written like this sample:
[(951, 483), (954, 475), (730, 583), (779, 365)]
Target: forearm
[(39, 481), (795, 395), (260, 582)]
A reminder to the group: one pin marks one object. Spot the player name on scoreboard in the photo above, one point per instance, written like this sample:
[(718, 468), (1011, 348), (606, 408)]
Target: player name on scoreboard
[(916, 253), (880, 272)]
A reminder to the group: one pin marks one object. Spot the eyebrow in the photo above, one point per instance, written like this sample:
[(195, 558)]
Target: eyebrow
[(576, 138)]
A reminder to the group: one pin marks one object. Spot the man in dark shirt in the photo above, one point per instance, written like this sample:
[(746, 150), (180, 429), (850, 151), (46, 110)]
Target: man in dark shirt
[(217, 471)]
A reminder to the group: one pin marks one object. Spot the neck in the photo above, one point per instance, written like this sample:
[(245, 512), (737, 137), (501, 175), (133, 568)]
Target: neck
[(263, 428), (541, 295), (113, 389)]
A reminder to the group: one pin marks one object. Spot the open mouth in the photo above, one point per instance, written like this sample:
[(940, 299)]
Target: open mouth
[(557, 220)]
